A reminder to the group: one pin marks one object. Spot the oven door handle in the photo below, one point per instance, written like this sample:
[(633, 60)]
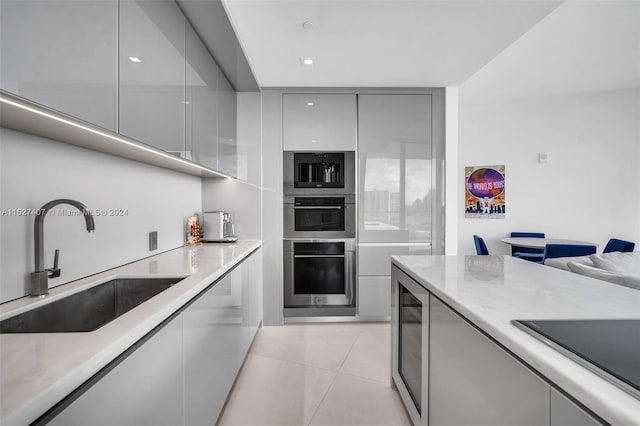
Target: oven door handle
[(307, 256), (317, 207)]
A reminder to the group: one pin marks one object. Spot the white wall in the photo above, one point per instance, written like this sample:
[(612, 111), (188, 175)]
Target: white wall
[(35, 170), (589, 189), (452, 106), (239, 198)]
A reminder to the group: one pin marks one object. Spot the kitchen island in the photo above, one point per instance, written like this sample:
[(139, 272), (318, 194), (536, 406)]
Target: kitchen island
[(40, 370), (476, 298)]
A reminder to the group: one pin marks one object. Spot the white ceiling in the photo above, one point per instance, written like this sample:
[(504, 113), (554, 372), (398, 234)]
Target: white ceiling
[(580, 47), (378, 43)]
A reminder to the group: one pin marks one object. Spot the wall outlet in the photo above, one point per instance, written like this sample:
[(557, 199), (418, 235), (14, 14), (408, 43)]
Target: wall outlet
[(153, 241)]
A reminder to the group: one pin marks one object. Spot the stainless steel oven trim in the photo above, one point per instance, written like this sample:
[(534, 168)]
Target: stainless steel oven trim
[(349, 176), (306, 256), (320, 300), (291, 199), (295, 206)]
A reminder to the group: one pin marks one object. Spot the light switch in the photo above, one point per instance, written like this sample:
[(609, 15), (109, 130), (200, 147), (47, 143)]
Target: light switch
[(153, 241), (543, 157)]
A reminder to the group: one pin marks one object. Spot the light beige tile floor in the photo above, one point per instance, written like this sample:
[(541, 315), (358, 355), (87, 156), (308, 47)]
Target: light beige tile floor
[(317, 374)]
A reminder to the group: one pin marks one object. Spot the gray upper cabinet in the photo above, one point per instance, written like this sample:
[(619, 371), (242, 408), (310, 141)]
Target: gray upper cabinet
[(152, 73), (63, 55), (325, 122), (395, 168), (473, 381), (201, 102), (227, 123)]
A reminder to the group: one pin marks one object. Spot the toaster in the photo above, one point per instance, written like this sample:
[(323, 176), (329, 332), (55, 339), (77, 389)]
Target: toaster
[(217, 227)]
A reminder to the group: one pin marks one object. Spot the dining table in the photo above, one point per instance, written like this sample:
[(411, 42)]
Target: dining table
[(540, 243)]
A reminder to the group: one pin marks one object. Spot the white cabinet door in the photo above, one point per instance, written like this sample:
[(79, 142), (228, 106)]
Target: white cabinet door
[(63, 55), (152, 73), (227, 111), (395, 168), (472, 381), (146, 388), (374, 298), (325, 122), (566, 413), (201, 102)]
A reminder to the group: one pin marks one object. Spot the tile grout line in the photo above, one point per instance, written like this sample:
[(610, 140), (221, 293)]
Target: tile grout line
[(335, 377)]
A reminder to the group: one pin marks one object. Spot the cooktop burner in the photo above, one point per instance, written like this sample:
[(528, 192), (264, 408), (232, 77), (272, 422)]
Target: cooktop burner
[(608, 347)]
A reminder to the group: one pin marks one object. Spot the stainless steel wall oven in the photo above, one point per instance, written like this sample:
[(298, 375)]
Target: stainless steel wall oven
[(319, 277)]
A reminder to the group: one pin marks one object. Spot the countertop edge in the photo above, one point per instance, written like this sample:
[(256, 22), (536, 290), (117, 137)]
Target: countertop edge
[(606, 400), (41, 402)]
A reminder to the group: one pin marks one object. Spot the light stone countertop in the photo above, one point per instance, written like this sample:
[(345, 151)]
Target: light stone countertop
[(490, 291), (39, 370)]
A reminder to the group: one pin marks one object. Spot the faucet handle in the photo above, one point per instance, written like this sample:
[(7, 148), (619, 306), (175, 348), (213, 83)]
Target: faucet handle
[(55, 271)]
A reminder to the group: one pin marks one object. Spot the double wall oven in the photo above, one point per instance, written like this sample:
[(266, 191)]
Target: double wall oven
[(319, 234)]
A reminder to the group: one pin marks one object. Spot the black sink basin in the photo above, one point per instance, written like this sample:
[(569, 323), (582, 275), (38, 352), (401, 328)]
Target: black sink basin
[(89, 309)]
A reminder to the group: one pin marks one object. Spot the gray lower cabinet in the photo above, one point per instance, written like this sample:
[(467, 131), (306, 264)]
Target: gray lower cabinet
[(144, 389), (183, 374), (473, 381), (374, 277), (152, 73), (63, 55), (213, 341), (255, 295), (374, 298), (218, 329), (566, 413)]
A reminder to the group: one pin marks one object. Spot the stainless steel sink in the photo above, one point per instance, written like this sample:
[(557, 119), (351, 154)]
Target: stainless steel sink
[(89, 309)]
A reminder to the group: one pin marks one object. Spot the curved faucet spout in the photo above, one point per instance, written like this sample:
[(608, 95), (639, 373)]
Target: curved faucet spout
[(39, 283)]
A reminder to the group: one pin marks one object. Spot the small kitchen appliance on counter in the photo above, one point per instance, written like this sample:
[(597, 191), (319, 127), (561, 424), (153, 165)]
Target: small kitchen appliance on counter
[(217, 227)]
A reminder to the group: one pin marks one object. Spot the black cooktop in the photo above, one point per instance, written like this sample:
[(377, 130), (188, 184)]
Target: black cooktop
[(611, 345)]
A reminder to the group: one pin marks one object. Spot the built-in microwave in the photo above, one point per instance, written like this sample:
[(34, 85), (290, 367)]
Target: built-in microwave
[(320, 216), (319, 172)]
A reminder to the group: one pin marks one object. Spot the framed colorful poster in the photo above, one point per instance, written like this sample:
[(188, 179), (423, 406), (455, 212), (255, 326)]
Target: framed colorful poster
[(484, 189)]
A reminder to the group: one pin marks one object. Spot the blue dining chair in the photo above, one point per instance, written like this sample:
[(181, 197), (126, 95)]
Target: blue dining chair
[(526, 252), (567, 250), (619, 245), (481, 247)]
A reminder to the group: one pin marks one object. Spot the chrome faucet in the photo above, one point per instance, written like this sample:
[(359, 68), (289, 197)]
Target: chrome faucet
[(40, 278)]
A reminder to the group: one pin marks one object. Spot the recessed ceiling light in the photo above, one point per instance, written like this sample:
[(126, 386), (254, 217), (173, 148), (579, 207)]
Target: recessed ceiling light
[(307, 25), (307, 61), (309, 103), (134, 59)]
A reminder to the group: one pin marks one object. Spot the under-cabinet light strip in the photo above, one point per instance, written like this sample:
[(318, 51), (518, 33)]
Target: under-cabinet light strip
[(112, 137)]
